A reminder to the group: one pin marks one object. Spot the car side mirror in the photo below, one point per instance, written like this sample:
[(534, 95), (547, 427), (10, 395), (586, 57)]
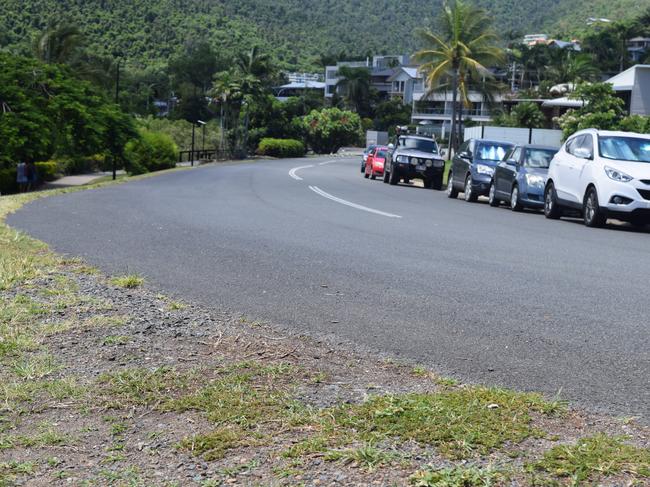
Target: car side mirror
[(583, 153), (464, 155)]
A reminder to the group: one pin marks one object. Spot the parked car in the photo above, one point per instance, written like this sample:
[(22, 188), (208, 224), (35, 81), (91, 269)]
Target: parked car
[(415, 157), (376, 161), (364, 157), (473, 166), (519, 179), (602, 175)]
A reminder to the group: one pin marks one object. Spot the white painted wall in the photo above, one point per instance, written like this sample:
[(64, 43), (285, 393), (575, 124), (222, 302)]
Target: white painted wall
[(515, 135)]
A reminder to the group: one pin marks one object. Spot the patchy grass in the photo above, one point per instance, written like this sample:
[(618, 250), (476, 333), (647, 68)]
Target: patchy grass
[(594, 458), (214, 445), (366, 456), (129, 281), (115, 340), (461, 423), (465, 476), (14, 393)]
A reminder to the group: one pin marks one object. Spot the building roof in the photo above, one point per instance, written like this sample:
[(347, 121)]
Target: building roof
[(626, 80), (563, 101), (298, 85), (639, 39)]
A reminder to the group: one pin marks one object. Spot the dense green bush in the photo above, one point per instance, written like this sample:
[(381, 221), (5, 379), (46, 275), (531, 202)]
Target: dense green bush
[(281, 148), (8, 181), (332, 128), (47, 170), (152, 151)]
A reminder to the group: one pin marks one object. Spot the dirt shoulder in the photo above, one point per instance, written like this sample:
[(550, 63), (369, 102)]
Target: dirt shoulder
[(106, 382)]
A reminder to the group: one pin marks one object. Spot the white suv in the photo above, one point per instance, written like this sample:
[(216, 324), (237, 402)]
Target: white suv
[(603, 175)]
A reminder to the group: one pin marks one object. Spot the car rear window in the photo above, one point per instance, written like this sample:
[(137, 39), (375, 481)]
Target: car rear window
[(540, 158), (381, 153)]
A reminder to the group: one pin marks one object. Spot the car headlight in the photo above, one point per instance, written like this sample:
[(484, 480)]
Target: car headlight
[(438, 163), (414, 161), (429, 163), (400, 159), (535, 180), (617, 175), (483, 169)]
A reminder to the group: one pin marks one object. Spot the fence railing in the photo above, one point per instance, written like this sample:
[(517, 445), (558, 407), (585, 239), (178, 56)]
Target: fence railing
[(202, 155), (442, 111)]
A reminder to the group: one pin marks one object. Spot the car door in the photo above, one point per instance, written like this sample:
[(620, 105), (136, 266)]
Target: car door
[(462, 161), (563, 169), (581, 155), (507, 172)]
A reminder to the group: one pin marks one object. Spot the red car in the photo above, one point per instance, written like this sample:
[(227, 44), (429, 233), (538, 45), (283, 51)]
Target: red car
[(375, 162)]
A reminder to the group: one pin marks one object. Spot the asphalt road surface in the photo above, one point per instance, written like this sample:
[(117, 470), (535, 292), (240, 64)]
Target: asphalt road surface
[(482, 294)]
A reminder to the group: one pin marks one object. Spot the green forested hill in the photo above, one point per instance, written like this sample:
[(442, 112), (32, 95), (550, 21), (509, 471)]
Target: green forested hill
[(296, 31)]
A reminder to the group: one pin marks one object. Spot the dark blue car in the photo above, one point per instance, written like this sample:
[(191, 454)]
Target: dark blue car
[(520, 178), (473, 167)]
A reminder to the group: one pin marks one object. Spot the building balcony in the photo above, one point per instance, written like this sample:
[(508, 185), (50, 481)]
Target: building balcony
[(442, 114)]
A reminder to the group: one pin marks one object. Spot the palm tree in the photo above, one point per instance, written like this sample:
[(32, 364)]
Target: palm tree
[(569, 66), (258, 64), (355, 83), (58, 44), (461, 52)]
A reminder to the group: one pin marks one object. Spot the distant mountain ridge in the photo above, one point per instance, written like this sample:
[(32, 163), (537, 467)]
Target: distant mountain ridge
[(296, 31)]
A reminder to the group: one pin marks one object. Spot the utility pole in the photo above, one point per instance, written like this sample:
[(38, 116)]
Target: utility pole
[(117, 102)]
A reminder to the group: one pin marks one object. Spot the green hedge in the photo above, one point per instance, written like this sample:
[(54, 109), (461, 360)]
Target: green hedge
[(8, 181), (281, 148), (153, 151), (47, 170)]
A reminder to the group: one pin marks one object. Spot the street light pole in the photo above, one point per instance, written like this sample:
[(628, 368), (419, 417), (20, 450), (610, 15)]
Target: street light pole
[(117, 102), (192, 152)]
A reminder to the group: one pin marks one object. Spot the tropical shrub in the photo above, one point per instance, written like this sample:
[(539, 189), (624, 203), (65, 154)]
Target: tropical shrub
[(152, 151), (602, 109), (47, 170), (281, 148), (330, 129), (525, 115)]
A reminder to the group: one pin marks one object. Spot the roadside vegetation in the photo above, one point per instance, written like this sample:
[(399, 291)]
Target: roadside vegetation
[(105, 382)]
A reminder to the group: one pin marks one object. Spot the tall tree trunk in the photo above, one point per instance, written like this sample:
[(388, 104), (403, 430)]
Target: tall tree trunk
[(454, 108)]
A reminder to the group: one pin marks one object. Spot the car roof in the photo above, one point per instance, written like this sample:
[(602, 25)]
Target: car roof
[(538, 146), (502, 142), (611, 133), (421, 137)]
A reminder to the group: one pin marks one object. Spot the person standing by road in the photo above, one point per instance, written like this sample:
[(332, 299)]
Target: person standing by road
[(32, 175), (21, 176)]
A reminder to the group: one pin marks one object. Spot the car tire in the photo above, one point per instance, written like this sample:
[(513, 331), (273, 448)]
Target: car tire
[(386, 176), (515, 204), (451, 191), (366, 175), (373, 176), (428, 183), (592, 214), (492, 197), (436, 183), (551, 208), (407, 181), (393, 179), (363, 168), (470, 196)]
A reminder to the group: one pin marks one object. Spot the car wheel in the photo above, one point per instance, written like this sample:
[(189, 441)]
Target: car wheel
[(436, 183), (393, 179), (592, 213), (515, 204), (470, 196), (366, 175), (451, 191), (386, 175), (551, 209), (407, 181), (492, 197), (428, 183), (363, 167), (373, 176)]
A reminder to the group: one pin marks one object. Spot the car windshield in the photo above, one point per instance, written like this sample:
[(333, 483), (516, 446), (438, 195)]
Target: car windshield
[(420, 144), (492, 152), (370, 149), (635, 149), (540, 158)]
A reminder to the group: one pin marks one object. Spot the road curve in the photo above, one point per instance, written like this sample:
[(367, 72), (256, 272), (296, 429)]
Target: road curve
[(482, 294)]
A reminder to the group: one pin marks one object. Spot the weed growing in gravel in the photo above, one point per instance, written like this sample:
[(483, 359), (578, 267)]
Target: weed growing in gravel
[(595, 457), (366, 456), (14, 393), (103, 321), (459, 477), (129, 281), (141, 386), (213, 446), (34, 367), (115, 340), (461, 422)]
